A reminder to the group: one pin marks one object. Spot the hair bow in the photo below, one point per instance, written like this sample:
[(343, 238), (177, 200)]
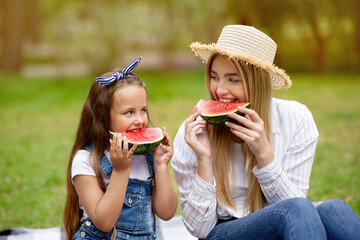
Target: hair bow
[(118, 75)]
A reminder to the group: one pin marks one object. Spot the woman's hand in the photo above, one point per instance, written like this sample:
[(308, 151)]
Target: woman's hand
[(199, 142), (164, 152), (120, 154), (251, 130)]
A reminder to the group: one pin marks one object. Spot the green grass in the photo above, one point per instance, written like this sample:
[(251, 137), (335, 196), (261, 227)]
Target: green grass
[(39, 118)]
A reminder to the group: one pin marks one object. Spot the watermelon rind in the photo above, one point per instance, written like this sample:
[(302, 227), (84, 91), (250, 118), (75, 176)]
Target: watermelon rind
[(144, 147), (220, 119)]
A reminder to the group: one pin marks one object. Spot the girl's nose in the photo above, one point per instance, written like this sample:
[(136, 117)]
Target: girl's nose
[(139, 119)]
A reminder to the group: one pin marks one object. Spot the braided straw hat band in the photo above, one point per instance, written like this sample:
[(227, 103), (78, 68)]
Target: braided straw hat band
[(248, 44)]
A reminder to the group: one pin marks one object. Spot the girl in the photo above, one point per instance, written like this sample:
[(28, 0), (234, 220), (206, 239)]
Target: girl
[(249, 180), (112, 193)]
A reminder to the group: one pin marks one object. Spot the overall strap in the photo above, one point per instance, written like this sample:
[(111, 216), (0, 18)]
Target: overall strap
[(105, 163), (150, 161)]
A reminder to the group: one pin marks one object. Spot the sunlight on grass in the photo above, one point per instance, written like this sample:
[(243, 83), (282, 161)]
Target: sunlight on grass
[(39, 118)]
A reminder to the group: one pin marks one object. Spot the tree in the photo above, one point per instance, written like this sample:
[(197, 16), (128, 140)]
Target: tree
[(20, 18), (12, 35)]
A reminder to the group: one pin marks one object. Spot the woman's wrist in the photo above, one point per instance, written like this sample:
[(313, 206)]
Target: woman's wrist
[(265, 157), (204, 170)]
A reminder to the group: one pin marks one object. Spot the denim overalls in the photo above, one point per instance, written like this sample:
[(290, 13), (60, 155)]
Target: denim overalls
[(137, 219)]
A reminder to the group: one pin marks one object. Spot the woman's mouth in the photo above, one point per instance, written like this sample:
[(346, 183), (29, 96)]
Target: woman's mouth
[(226, 100)]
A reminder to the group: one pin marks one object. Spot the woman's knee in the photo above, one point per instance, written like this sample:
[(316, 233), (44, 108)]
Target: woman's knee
[(335, 209), (299, 205), (333, 206)]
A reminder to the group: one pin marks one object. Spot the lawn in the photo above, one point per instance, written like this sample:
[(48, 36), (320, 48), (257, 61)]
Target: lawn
[(39, 118)]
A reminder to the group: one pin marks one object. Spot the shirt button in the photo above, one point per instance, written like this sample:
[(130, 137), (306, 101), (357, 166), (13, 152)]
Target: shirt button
[(82, 234), (88, 223)]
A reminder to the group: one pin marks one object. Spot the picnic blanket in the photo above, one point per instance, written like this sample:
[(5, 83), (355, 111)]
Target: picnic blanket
[(173, 229)]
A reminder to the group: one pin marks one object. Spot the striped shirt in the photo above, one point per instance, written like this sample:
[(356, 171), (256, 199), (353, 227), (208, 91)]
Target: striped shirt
[(294, 139)]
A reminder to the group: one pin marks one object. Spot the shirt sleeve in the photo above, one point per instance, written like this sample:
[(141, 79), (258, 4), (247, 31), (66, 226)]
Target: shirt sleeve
[(198, 198), (81, 164), (288, 175)]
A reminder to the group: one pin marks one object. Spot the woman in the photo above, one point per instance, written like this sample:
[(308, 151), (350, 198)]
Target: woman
[(249, 179)]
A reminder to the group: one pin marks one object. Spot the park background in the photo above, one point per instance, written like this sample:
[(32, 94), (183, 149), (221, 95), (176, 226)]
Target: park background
[(51, 51)]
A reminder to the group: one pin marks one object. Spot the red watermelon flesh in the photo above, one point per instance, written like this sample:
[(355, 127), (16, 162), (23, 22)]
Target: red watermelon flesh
[(215, 112), (213, 108), (145, 135), (147, 139)]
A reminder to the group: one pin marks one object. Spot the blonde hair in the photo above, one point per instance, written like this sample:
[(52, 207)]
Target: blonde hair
[(258, 90)]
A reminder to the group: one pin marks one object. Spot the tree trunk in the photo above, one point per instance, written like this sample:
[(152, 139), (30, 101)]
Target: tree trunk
[(12, 35), (32, 23), (357, 31)]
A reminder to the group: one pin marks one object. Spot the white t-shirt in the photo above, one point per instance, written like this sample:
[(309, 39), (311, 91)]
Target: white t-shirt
[(82, 165)]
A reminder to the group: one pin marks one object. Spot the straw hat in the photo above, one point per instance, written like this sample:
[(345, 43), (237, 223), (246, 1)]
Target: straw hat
[(248, 44)]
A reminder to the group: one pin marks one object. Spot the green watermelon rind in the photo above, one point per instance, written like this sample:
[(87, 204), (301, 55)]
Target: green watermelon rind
[(143, 148), (220, 119)]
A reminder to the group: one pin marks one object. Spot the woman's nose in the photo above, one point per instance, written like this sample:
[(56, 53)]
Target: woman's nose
[(222, 89)]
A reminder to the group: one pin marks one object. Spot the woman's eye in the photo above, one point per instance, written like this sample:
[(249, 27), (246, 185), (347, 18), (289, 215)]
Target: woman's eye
[(234, 80), (213, 77)]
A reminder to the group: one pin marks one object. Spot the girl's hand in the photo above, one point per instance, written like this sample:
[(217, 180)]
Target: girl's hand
[(120, 155), (199, 142), (164, 152), (251, 130)]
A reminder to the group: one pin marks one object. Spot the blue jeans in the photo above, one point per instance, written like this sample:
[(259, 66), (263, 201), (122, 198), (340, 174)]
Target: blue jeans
[(295, 218)]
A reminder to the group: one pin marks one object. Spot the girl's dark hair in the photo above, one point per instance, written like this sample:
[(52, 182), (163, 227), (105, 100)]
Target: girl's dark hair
[(93, 130)]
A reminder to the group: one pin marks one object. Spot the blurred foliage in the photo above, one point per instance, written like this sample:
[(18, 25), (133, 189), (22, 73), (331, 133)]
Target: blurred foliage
[(312, 35)]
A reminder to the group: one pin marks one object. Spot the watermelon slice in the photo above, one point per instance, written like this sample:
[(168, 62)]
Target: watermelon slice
[(147, 139), (215, 112)]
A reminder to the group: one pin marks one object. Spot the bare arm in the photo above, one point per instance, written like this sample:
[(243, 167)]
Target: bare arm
[(164, 197), (104, 208)]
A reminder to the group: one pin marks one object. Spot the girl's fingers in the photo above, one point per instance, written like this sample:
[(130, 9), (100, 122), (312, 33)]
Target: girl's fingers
[(125, 145), (167, 139), (132, 149), (119, 142), (165, 147)]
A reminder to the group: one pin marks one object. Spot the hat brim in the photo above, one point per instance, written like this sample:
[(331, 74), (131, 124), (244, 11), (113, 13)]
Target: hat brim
[(277, 75)]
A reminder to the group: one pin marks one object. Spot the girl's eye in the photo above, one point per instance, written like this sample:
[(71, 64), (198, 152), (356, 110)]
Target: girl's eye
[(214, 78), (128, 113), (143, 110)]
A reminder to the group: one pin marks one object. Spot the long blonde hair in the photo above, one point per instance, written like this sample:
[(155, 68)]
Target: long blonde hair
[(258, 90), (93, 129)]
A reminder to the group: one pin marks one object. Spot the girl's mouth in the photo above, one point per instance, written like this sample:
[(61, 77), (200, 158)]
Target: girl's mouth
[(134, 130)]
